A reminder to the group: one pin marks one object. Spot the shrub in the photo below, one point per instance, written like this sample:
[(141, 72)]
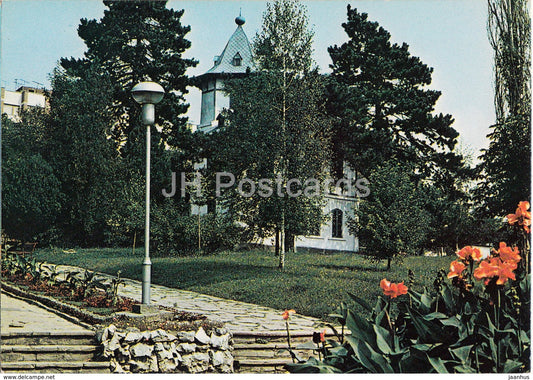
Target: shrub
[(392, 221), (176, 234)]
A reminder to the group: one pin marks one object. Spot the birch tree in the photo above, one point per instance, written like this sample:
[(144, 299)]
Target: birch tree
[(277, 129)]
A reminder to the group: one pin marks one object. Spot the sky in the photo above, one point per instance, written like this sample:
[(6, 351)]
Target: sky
[(448, 35)]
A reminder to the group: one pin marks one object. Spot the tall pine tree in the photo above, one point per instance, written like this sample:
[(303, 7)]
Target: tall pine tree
[(136, 41), (379, 98), (384, 112)]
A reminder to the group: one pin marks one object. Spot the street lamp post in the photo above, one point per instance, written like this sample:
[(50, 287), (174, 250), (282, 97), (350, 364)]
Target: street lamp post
[(147, 94)]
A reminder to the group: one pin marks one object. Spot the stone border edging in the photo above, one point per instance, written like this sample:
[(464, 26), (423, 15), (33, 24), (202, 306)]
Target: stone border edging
[(158, 351)]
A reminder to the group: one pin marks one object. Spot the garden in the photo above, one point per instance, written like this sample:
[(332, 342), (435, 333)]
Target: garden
[(251, 275), (479, 322), (468, 315), (73, 184)]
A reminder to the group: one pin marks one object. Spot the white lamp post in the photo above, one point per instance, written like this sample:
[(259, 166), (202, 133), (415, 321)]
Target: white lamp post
[(147, 94)]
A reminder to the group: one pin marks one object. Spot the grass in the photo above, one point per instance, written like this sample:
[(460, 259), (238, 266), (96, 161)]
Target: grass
[(312, 284)]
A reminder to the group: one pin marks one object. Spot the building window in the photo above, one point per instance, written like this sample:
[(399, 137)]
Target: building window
[(336, 223), (237, 60)]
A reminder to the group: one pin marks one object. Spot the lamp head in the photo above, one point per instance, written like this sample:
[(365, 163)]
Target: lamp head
[(147, 93)]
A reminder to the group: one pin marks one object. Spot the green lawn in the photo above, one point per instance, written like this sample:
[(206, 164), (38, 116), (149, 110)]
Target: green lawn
[(312, 284)]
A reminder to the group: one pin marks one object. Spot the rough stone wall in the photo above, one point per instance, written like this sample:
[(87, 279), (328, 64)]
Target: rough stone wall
[(133, 351)]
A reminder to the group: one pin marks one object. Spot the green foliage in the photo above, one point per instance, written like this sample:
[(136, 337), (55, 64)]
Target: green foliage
[(112, 288), (217, 233), (84, 160), (19, 266), (59, 167), (383, 112), (454, 223), (31, 192), (479, 322), (380, 99), (285, 40), (98, 143), (175, 234), (81, 284), (302, 145), (74, 176), (11, 264), (276, 129), (56, 277), (84, 284), (392, 220), (125, 221), (509, 30), (505, 170)]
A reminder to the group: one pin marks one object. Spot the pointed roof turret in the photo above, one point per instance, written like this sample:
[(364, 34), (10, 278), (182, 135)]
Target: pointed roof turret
[(240, 20), (236, 57)]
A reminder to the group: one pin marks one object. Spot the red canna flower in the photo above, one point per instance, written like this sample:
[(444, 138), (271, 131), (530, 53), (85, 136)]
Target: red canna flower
[(456, 268), (508, 254), (512, 219), (469, 252), (505, 272), (323, 336), (521, 216), (286, 314), (486, 269), (494, 267), (523, 206), (391, 289)]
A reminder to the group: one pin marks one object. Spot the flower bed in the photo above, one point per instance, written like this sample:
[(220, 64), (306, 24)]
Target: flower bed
[(83, 295), (476, 319), (169, 341), (88, 297)]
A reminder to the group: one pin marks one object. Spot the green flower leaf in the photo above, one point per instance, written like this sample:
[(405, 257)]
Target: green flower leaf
[(438, 364)]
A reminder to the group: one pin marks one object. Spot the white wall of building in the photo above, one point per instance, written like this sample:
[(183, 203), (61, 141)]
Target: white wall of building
[(326, 241), (33, 99), (222, 100), (13, 101), (12, 97)]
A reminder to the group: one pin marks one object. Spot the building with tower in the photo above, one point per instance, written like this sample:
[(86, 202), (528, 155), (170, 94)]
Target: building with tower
[(236, 60)]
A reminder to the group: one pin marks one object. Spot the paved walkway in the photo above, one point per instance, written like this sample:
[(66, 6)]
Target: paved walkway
[(20, 316), (239, 317)]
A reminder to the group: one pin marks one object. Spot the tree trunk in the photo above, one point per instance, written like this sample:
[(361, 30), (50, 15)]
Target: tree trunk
[(389, 259), (289, 242), (283, 163), (276, 249), (282, 242)]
